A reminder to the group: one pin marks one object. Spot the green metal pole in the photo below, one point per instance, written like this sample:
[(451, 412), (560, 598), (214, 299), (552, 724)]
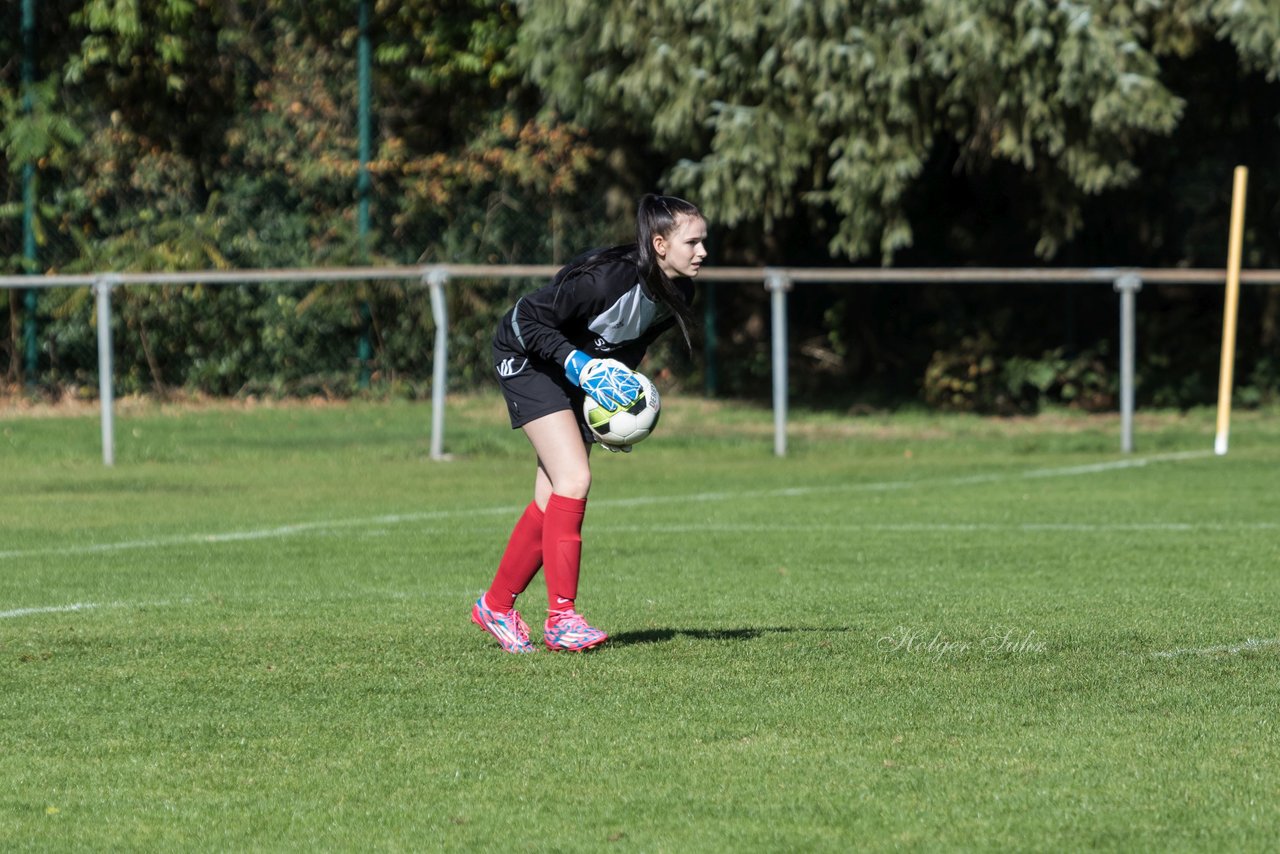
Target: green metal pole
[(362, 181), (365, 350), (30, 346), (709, 336)]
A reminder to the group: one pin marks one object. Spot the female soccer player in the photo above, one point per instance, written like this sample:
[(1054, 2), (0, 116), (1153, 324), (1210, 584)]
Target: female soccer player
[(549, 351)]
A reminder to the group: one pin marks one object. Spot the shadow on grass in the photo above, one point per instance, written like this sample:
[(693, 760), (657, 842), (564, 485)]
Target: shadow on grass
[(663, 635)]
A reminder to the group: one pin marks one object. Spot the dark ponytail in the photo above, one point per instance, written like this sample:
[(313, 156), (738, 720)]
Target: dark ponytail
[(659, 215)]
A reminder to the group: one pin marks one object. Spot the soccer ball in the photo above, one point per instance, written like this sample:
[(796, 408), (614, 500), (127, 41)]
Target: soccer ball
[(621, 427)]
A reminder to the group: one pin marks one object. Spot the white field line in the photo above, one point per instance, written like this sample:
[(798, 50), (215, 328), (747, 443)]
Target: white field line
[(891, 485), (52, 609), (258, 534), (281, 531), (82, 606), (1233, 649)]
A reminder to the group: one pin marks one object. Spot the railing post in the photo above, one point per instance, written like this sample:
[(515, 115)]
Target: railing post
[(30, 343), (778, 284), (1127, 286), (709, 337), (106, 394), (436, 278)]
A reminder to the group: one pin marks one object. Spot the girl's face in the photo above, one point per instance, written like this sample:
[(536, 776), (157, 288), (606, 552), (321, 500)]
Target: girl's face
[(682, 252)]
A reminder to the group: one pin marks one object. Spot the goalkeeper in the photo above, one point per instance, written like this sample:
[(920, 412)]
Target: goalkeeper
[(549, 352)]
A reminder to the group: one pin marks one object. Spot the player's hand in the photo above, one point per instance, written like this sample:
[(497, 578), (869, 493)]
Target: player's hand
[(611, 383)]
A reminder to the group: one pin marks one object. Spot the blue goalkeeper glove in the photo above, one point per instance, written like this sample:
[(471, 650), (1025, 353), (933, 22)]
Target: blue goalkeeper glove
[(609, 382)]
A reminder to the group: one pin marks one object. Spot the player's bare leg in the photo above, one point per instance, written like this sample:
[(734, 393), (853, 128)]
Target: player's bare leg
[(564, 466), (561, 485)]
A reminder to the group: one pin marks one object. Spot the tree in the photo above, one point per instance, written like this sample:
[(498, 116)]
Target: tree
[(833, 113), (188, 135)]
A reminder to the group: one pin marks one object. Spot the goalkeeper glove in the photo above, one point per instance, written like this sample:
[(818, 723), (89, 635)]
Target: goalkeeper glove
[(610, 383)]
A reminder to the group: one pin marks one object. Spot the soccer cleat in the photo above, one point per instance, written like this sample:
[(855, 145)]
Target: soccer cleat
[(569, 632), (507, 627)]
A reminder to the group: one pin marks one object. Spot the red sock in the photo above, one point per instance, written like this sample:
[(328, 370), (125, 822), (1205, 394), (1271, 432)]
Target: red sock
[(562, 550), (520, 561)]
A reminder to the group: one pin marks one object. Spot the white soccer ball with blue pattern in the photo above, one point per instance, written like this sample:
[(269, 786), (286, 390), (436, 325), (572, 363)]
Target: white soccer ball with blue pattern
[(626, 425)]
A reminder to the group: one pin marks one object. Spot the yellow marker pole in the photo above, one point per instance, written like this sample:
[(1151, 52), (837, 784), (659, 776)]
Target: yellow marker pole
[(1230, 310)]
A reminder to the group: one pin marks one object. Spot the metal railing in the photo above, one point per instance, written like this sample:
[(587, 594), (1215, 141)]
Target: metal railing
[(779, 281)]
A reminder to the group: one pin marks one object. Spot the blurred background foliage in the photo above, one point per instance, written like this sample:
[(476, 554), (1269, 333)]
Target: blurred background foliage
[(160, 135)]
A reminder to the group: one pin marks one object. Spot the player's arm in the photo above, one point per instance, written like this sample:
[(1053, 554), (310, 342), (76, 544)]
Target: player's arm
[(540, 318)]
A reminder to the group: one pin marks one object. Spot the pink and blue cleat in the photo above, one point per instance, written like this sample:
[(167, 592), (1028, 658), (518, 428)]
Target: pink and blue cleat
[(569, 632), (510, 631)]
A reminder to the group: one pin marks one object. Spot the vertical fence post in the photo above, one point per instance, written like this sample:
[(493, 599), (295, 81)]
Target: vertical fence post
[(30, 341), (364, 88), (106, 395), (710, 344), (436, 278), (364, 349), (30, 344), (1127, 286), (778, 284)]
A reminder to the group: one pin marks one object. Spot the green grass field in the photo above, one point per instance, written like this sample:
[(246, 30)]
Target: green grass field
[(913, 633)]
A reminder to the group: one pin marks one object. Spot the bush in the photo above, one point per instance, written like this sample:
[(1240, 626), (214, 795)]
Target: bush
[(976, 377)]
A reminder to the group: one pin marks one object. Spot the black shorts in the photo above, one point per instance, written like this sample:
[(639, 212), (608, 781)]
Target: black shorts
[(534, 388)]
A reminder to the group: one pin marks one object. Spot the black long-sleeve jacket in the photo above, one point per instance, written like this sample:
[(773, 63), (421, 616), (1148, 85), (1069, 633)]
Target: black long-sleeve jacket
[(605, 311)]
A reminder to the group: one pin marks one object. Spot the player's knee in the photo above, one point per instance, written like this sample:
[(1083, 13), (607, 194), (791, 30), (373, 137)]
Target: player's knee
[(574, 484)]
